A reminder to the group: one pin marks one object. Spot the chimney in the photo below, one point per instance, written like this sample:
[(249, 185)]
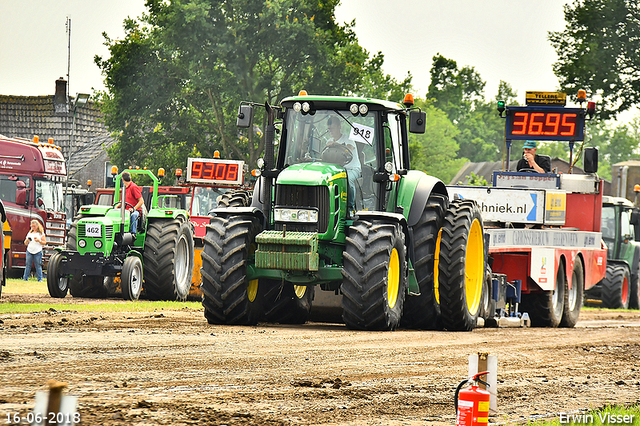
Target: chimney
[(60, 104)]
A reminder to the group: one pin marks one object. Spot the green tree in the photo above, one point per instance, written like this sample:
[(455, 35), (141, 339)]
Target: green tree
[(174, 82), (435, 151), (598, 52)]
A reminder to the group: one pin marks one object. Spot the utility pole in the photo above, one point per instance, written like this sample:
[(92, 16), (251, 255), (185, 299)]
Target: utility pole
[(68, 27)]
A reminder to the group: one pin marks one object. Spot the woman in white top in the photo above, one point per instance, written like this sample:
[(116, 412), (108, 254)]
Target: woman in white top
[(34, 240)]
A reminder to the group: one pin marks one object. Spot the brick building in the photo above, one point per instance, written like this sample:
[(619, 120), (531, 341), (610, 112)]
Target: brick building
[(77, 127)]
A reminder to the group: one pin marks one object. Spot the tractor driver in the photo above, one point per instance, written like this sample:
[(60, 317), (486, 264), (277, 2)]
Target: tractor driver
[(353, 168), (132, 197), (530, 160)]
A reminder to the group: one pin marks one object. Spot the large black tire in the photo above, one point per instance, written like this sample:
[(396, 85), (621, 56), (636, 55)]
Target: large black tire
[(58, 286), (227, 296), (76, 282), (286, 303), (131, 278), (235, 198), (168, 259), (615, 290), (634, 289), (573, 296), (423, 312), (374, 275), (546, 308), (461, 266)]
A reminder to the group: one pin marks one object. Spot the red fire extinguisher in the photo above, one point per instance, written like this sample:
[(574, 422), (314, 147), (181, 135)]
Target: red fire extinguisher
[(472, 404)]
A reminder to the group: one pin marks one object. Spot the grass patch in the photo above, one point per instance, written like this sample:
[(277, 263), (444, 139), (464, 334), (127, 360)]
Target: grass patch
[(101, 306), (605, 416), (18, 286)]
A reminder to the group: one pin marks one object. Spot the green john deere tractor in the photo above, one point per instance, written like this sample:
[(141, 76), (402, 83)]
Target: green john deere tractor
[(337, 209), (621, 233), (157, 258)]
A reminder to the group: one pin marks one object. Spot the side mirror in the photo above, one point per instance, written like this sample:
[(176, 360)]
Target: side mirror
[(417, 121), (245, 112), (40, 202), (21, 193), (635, 217), (88, 198), (591, 160), (3, 215)]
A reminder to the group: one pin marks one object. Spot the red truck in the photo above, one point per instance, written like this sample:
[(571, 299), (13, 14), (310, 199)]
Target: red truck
[(32, 176)]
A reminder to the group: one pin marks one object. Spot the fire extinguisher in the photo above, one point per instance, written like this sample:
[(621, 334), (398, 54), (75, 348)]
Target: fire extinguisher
[(472, 404)]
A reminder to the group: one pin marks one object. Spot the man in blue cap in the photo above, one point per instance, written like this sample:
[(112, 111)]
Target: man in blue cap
[(530, 161)]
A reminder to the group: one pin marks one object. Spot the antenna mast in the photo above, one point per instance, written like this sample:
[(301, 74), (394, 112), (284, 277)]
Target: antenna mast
[(68, 27)]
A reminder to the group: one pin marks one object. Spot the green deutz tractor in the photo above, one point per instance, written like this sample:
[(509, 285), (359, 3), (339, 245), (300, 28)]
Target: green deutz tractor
[(403, 254), (621, 233), (157, 258)]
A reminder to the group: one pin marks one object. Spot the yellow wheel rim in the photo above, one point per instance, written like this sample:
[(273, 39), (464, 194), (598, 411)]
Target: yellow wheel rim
[(474, 267), (252, 290), (436, 266), (299, 290), (393, 279)]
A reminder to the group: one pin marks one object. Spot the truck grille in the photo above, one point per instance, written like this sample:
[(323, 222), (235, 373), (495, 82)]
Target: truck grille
[(305, 196)]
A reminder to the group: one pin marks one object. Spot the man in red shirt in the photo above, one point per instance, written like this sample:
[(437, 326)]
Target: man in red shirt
[(132, 197)]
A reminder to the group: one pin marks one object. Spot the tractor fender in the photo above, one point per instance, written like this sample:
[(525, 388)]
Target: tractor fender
[(239, 211), (413, 194), (137, 254)]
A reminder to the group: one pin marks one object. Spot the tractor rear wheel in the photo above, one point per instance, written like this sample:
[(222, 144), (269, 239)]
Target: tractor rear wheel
[(286, 303), (461, 266), (546, 308), (58, 286), (229, 246), (168, 259), (573, 296), (131, 278), (374, 275), (634, 286), (235, 198), (422, 312), (615, 287)]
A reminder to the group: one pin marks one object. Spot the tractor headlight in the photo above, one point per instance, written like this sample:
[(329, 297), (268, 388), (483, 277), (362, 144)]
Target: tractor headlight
[(306, 107), (297, 107), (295, 215), (82, 243), (354, 109), (98, 244), (364, 109)]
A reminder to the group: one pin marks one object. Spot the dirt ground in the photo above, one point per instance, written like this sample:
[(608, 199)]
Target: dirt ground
[(172, 368)]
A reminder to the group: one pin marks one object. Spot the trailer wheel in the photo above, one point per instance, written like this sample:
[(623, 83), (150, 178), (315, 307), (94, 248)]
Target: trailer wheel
[(168, 259), (374, 276), (423, 312), (615, 291), (545, 309), (58, 286), (227, 296), (573, 296), (286, 303), (461, 266), (131, 278)]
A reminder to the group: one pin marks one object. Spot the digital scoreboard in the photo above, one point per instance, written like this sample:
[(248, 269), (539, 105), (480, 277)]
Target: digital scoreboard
[(215, 171), (545, 123)]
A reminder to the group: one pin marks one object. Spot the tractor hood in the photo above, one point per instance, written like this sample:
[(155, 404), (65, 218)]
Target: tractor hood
[(312, 174)]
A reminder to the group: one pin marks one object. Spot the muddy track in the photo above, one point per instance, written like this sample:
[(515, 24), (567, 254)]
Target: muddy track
[(172, 368)]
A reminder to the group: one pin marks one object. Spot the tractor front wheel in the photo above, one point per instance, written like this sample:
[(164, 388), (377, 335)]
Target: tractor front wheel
[(131, 278), (374, 275), (168, 259), (58, 286), (228, 296), (461, 266)]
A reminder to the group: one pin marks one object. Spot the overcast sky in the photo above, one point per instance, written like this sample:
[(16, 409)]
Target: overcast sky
[(502, 39)]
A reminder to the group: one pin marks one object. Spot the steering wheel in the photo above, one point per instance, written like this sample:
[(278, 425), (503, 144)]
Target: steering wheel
[(125, 205), (528, 170), (337, 154)]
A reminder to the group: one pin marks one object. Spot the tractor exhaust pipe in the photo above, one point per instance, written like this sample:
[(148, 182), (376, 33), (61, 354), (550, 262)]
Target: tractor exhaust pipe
[(269, 137)]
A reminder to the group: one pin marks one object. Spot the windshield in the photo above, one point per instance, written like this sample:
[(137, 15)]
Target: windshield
[(205, 199), (49, 195), (308, 137)]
